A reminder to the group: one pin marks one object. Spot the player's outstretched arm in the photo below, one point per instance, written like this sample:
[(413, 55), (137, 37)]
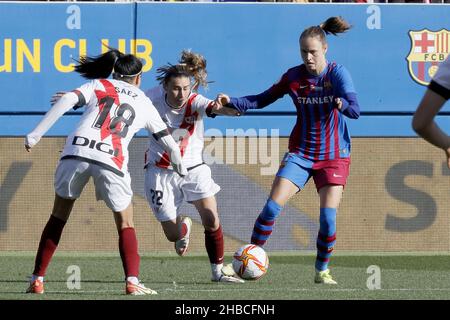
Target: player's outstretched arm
[(424, 125), (58, 95), (223, 106), (220, 106), (258, 101), (64, 104)]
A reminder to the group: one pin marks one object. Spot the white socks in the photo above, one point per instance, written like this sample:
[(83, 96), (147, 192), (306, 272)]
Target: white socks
[(133, 280), (216, 270)]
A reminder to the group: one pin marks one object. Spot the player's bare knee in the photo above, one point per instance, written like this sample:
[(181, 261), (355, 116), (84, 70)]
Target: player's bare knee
[(211, 224), (210, 219)]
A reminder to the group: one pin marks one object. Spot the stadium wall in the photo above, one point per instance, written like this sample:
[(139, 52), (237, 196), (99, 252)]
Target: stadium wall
[(395, 198)]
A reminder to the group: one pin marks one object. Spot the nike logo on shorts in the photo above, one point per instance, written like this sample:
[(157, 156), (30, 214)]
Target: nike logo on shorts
[(336, 175)]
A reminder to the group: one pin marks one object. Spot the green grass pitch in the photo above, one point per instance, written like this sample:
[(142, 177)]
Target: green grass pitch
[(290, 277)]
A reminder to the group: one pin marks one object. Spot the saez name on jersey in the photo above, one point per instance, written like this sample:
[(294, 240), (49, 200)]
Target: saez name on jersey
[(98, 145), (127, 92)]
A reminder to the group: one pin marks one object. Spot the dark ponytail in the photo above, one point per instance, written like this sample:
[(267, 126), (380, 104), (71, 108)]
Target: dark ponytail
[(113, 61), (333, 25)]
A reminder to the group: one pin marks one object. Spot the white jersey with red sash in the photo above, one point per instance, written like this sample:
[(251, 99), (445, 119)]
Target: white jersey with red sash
[(115, 111), (185, 125)]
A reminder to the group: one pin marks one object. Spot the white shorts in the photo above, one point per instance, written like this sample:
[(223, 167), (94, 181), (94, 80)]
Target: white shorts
[(72, 175), (165, 190)]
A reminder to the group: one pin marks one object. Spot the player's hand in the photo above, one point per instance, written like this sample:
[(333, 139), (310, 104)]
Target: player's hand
[(57, 96), (220, 106), (180, 169), (338, 103), (223, 99), (447, 153), (30, 142)]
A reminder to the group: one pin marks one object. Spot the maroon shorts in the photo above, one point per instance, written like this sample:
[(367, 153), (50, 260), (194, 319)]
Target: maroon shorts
[(331, 172)]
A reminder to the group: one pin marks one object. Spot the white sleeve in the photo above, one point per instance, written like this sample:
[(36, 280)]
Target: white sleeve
[(171, 147), (67, 101), (84, 93), (203, 106)]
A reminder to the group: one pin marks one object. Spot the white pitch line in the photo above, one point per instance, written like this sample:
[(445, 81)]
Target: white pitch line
[(169, 290), (82, 291), (311, 290)]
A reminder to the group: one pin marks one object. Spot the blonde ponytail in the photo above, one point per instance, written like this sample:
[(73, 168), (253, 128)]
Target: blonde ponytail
[(196, 65), (335, 25), (191, 65)]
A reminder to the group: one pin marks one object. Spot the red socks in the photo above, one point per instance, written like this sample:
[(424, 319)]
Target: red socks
[(48, 244), (214, 245), (51, 235), (128, 248)]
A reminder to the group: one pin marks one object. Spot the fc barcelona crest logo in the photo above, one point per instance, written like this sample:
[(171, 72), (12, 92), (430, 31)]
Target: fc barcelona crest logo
[(428, 49)]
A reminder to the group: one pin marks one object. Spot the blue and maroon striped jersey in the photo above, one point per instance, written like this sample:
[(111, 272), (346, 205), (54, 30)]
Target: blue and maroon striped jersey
[(320, 132)]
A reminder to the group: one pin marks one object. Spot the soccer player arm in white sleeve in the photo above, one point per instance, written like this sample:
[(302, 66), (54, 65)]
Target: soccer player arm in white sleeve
[(67, 101), (171, 147), (159, 130)]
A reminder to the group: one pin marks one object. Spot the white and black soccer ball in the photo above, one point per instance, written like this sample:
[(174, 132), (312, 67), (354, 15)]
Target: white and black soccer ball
[(250, 262)]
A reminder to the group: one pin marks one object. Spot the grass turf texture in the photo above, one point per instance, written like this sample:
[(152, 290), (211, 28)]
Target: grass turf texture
[(290, 277)]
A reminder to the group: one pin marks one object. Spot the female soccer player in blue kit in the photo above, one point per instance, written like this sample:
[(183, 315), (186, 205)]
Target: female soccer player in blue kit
[(319, 144)]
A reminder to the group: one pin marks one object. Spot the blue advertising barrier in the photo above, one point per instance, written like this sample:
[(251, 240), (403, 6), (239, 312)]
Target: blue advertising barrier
[(390, 55)]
